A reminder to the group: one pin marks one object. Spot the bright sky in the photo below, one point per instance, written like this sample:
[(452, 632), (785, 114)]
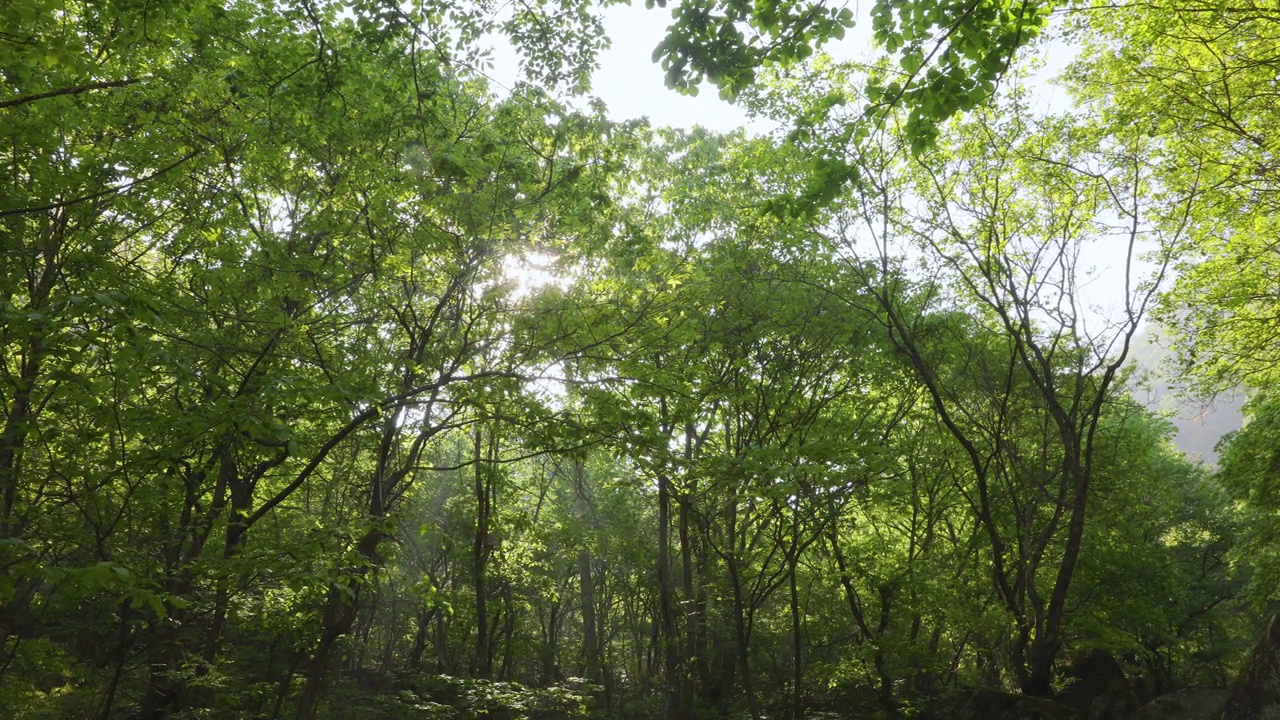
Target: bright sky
[(632, 85)]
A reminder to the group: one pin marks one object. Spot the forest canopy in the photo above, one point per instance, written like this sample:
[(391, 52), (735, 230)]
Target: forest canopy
[(336, 382)]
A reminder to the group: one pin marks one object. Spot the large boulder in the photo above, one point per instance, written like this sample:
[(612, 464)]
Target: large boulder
[(1255, 695), (1096, 687), (1185, 704)]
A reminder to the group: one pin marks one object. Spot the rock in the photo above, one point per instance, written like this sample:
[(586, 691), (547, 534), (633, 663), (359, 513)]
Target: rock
[(1097, 687), (1186, 704), (996, 705), (1255, 695)]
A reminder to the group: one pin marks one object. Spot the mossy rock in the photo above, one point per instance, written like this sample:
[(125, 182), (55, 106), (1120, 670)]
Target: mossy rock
[(1186, 704)]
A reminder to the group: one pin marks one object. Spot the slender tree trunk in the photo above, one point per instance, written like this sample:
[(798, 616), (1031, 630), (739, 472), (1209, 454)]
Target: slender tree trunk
[(164, 693), (13, 440), (586, 581), (479, 559), (124, 642), (364, 627), (339, 618), (670, 641), (282, 691), (420, 639), (19, 420), (508, 631), (692, 621), (739, 608), (1048, 640), (727, 659), (550, 649), (388, 650), (888, 702), (743, 640), (637, 638), (444, 660), (797, 668), (14, 436), (702, 641), (692, 624), (590, 645), (340, 610), (240, 493)]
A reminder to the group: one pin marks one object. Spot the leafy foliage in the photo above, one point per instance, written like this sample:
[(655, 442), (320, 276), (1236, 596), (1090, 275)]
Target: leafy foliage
[(948, 55), (819, 418)]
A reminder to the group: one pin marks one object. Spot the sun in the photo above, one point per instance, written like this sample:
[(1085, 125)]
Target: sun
[(531, 271)]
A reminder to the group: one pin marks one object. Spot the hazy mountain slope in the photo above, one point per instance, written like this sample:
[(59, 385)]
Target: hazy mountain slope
[(1200, 423)]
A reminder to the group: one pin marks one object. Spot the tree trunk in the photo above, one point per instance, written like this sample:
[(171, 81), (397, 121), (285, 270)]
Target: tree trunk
[(692, 620), (888, 702), (339, 616), (670, 641), (124, 642), (508, 631), (482, 664), (740, 630), (590, 646), (550, 649), (420, 639), (797, 670), (586, 581), (388, 650), (692, 624), (20, 419), (1048, 639)]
